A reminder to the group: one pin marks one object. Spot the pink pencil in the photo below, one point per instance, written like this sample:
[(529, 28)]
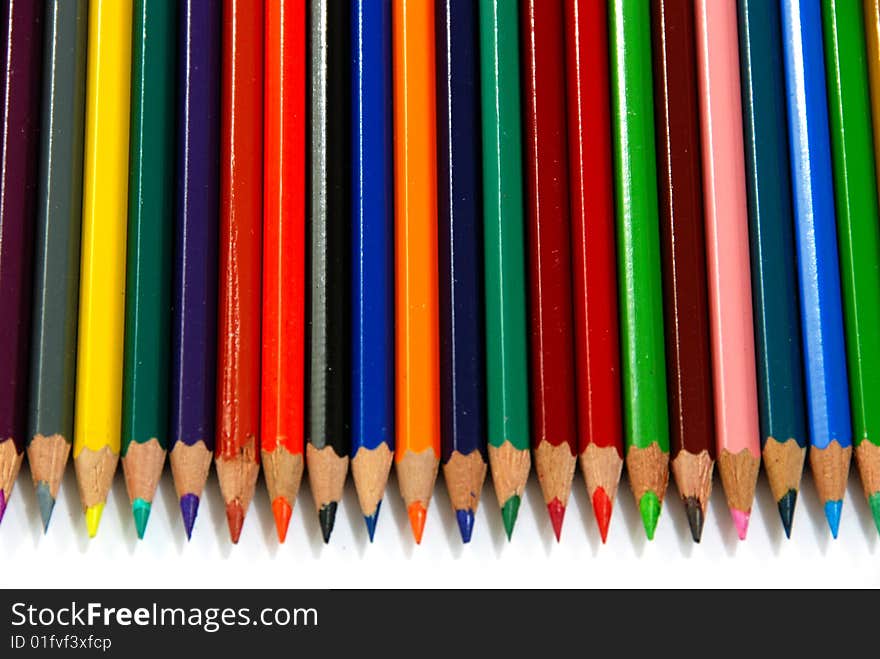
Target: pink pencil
[(727, 249)]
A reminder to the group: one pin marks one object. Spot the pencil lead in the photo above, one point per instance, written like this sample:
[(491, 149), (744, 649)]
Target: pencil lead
[(741, 522), (93, 518), (281, 511), (2, 505), (509, 511), (327, 518), (46, 502), (465, 524), (649, 507), (786, 510), (832, 514), (140, 510), (417, 516), (189, 508), (695, 517), (235, 519), (602, 508), (874, 502), (371, 520), (557, 516)]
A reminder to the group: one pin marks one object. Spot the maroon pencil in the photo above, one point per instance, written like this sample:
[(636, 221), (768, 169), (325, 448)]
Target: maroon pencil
[(554, 412), (19, 119), (684, 255)]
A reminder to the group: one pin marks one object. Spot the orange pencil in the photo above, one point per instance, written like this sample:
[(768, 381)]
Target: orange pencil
[(281, 426), (417, 452)]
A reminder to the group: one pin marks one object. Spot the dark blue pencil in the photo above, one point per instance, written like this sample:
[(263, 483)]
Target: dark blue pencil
[(463, 430), (372, 186), (194, 318), (774, 276), (818, 267)]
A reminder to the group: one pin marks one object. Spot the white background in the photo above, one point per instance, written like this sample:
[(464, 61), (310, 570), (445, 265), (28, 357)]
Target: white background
[(67, 558)]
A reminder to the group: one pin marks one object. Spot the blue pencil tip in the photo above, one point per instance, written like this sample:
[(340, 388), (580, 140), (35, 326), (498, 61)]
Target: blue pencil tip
[(189, 508), (465, 524), (46, 502), (371, 521), (832, 514)]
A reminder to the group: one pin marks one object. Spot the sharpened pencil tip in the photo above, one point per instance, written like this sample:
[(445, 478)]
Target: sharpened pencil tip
[(189, 509), (140, 510), (741, 522), (465, 524), (874, 502), (2, 505), (602, 508), (557, 516), (371, 520), (695, 517), (281, 511), (327, 519), (649, 507), (235, 519), (417, 516), (46, 502), (832, 514), (93, 518), (786, 510), (509, 511)]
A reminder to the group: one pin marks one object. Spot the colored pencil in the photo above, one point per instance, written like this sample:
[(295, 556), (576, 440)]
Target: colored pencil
[(148, 257), (197, 211), (774, 278), (98, 415), (372, 273), (591, 203), (56, 251), (554, 412), (237, 450), (504, 286), (727, 250), (818, 265), (858, 229), (417, 449), (462, 361), (329, 430), (20, 89), (872, 39), (688, 350), (284, 167), (645, 416)]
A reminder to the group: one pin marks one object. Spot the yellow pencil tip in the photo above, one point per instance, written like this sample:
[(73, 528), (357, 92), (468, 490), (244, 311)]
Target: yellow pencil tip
[(93, 518)]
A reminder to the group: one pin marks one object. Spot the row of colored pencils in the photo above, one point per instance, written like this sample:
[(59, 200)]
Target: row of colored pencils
[(354, 234)]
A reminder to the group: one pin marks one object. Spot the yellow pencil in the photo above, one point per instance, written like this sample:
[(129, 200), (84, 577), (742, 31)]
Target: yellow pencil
[(102, 273)]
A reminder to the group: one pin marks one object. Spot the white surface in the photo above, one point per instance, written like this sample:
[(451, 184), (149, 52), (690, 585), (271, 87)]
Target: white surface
[(67, 558)]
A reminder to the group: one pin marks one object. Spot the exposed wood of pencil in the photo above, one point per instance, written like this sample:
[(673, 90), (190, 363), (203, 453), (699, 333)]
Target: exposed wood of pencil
[(693, 476), (648, 470), (868, 458), (94, 473), (784, 463), (145, 460), (370, 469), (830, 468), (739, 473), (10, 463), (510, 470), (555, 467), (601, 466), (47, 457), (283, 471), (190, 464), (416, 474), (327, 472), (238, 476), (464, 475)]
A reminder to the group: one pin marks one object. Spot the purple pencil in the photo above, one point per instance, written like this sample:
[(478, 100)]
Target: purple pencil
[(20, 91), (195, 277)]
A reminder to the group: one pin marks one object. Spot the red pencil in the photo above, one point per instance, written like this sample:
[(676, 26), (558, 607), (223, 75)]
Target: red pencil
[(241, 207), (553, 385), (600, 426), (281, 428)]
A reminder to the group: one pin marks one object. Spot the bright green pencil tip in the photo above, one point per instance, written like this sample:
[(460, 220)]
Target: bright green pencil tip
[(874, 502), (649, 506), (509, 511), (140, 510), (93, 518)]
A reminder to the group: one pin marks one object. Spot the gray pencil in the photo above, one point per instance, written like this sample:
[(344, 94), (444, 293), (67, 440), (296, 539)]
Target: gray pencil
[(56, 263)]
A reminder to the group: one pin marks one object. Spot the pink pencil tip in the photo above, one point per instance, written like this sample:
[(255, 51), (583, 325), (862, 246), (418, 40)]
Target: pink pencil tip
[(741, 521)]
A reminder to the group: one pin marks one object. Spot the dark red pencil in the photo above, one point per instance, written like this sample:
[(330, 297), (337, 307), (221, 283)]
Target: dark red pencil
[(600, 426), (688, 354), (553, 386)]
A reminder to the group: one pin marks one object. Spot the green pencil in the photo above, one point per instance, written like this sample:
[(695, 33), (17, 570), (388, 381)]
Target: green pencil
[(504, 251), (858, 228), (148, 276), (646, 420)]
